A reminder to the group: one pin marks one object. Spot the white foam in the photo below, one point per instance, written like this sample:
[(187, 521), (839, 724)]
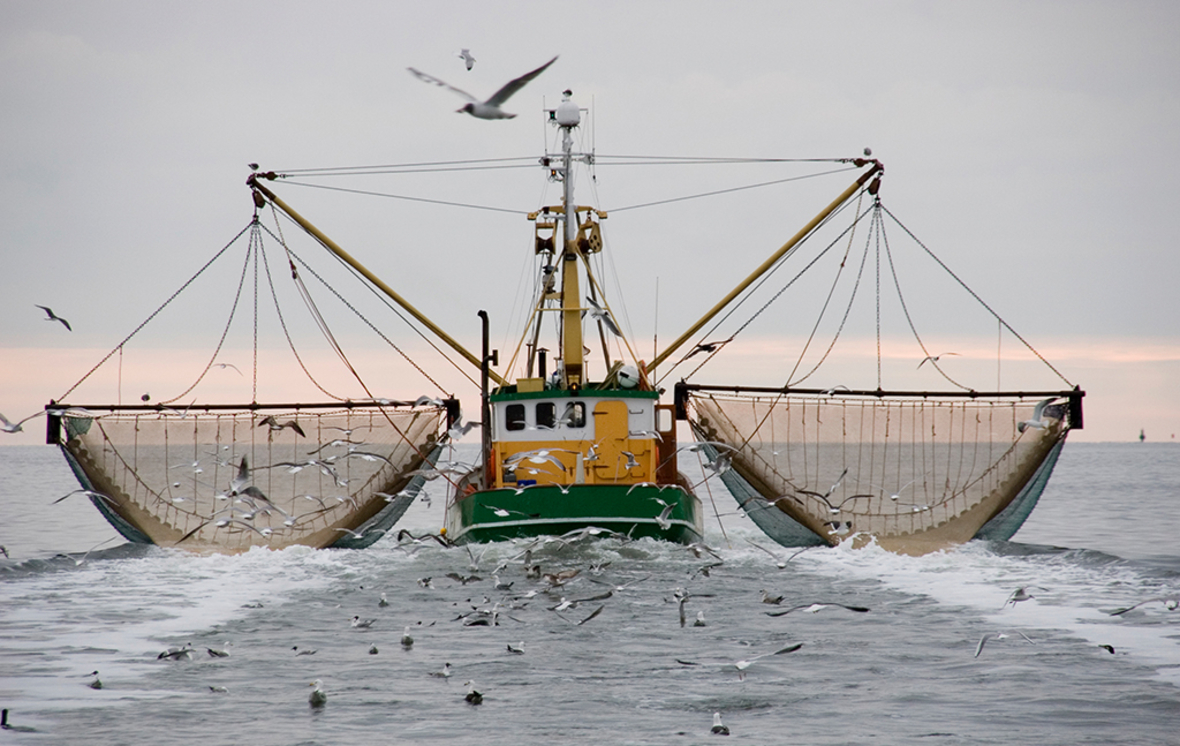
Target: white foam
[(1076, 601)]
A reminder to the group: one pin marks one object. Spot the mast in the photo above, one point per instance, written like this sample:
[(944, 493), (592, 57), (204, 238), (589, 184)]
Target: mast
[(567, 117)]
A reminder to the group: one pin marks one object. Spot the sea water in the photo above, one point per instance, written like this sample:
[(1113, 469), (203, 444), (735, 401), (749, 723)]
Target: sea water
[(74, 598)]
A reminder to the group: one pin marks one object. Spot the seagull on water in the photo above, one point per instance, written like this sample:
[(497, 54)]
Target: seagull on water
[(362, 623), (407, 641), (445, 673), (719, 727), (489, 109), (318, 697), (51, 316), (468, 60), (473, 697), (518, 649)]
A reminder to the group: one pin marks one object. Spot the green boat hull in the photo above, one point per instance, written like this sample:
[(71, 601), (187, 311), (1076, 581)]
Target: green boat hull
[(550, 510)]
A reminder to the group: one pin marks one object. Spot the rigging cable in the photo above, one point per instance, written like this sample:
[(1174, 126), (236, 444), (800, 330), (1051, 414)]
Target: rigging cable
[(387, 304), (322, 323), (847, 309), (287, 333), (765, 278), (731, 189), (897, 284), (228, 322), (406, 197), (976, 297), (119, 347)]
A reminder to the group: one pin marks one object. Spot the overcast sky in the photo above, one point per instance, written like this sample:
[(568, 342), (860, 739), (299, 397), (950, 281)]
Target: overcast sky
[(1027, 144)]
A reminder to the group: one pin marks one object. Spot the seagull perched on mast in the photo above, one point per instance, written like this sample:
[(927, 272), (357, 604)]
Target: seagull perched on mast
[(489, 109)]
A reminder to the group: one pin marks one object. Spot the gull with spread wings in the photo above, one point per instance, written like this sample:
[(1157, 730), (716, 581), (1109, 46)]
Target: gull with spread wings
[(489, 109)]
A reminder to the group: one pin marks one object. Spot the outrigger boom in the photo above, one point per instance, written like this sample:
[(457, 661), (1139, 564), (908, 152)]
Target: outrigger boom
[(332, 246)]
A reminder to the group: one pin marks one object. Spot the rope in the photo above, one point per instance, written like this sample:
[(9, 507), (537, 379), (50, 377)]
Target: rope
[(977, 298), (228, 322), (768, 303), (368, 286), (906, 311), (323, 325), (119, 347), (287, 333), (729, 190), (408, 198), (847, 309), (395, 167)]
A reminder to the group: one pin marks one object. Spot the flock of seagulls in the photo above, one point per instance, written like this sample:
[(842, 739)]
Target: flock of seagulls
[(555, 592)]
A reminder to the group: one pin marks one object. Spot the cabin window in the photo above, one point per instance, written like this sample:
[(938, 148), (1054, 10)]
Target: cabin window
[(574, 415), (664, 421), (546, 415), (514, 416)]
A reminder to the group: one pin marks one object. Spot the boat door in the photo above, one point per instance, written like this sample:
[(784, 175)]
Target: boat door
[(612, 434)]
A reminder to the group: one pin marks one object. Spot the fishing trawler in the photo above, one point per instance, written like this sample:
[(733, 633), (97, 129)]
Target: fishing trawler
[(562, 451)]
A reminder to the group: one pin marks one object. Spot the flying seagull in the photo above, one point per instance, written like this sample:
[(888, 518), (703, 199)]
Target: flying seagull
[(467, 58), (997, 636), (51, 316), (935, 358), (14, 427), (742, 665), (1171, 603), (815, 607), (275, 425), (489, 109), (1038, 420), (1021, 594), (603, 315)]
